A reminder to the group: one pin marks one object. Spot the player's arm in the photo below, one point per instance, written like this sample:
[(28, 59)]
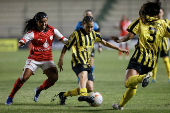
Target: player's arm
[(127, 37), (107, 44), (60, 62), (27, 37), (59, 36)]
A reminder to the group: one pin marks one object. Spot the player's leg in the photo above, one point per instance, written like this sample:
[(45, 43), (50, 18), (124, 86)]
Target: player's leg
[(167, 66), (18, 84), (132, 78), (127, 48), (154, 71), (120, 53), (51, 72)]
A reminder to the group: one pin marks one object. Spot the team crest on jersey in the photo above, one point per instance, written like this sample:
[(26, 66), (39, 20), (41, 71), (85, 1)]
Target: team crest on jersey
[(46, 44), (51, 37)]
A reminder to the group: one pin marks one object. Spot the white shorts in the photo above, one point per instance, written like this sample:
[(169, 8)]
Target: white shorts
[(34, 65)]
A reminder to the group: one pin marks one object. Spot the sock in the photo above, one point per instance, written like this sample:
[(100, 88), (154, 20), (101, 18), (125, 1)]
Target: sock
[(154, 71), (18, 84), (127, 96), (83, 92), (92, 69), (127, 48), (134, 80), (46, 84), (72, 92), (167, 66)]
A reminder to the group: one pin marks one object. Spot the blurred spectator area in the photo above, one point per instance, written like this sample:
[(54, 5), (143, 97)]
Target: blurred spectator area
[(64, 14)]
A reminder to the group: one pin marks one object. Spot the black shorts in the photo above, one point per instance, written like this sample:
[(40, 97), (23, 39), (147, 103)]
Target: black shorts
[(163, 53), (92, 53), (79, 68), (141, 69)]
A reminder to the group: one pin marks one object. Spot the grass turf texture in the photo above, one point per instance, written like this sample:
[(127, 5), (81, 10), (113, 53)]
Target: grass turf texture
[(109, 81)]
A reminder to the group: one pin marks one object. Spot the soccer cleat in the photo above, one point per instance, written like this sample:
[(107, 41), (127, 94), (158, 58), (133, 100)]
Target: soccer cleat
[(117, 107), (86, 98), (37, 93), (62, 99), (145, 81), (153, 80), (9, 101)]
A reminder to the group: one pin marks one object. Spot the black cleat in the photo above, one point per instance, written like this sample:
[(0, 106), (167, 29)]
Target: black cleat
[(145, 81), (62, 99), (86, 98)]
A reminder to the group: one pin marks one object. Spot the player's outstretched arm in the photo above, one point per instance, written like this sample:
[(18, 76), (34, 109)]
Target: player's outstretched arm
[(60, 62), (107, 44), (124, 39)]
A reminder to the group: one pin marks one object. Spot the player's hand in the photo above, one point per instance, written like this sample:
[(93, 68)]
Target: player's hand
[(21, 44), (124, 51), (60, 64), (115, 38)]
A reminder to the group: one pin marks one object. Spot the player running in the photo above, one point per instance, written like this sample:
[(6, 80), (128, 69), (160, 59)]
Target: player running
[(41, 35)]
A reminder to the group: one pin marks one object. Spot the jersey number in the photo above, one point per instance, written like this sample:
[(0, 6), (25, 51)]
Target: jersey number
[(153, 35)]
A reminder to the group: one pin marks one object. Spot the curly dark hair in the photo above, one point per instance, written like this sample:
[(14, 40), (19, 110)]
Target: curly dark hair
[(88, 19), (149, 9), (31, 23)]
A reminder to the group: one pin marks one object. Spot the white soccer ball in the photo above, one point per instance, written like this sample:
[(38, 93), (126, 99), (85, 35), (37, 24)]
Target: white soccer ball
[(97, 97)]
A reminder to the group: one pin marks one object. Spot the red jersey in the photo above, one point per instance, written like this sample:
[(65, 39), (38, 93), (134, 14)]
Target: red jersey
[(123, 26), (42, 43)]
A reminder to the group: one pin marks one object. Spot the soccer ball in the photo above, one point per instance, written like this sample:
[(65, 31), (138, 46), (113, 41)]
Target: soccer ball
[(97, 97)]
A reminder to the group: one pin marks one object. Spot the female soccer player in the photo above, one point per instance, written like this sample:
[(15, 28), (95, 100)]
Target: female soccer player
[(41, 35), (82, 42), (164, 51), (96, 28), (151, 30)]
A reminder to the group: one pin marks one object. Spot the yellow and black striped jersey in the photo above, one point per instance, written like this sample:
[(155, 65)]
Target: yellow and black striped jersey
[(150, 37), (82, 46), (164, 45)]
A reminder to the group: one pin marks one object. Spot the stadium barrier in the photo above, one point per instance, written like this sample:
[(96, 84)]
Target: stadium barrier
[(8, 45)]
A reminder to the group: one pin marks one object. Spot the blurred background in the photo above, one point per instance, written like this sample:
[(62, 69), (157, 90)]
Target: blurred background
[(64, 14)]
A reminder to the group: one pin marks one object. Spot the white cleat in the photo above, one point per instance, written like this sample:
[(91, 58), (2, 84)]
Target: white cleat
[(117, 107), (145, 81)]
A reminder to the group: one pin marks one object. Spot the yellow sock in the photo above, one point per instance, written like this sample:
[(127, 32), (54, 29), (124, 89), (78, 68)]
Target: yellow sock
[(71, 93), (127, 96), (154, 71), (83, 92), (134, 80), (167, 66)]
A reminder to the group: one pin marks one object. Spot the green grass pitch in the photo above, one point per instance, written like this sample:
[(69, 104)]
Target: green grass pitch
[(109, 81)]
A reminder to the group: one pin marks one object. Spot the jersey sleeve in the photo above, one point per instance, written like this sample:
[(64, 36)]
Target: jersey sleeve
[(167, 32), (60, 36), (134, 27), (98, 37), (27, 37), (71, 41)]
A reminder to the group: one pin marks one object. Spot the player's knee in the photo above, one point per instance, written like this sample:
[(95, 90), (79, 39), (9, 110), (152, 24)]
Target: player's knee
[(90, 89), (55, 78)]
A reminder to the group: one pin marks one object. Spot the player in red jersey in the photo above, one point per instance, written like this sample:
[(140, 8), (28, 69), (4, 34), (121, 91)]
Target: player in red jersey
[(41, 36), (123, 25)]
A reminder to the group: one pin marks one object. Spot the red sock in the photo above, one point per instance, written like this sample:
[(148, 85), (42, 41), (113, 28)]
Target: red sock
[(18, 84), (126, 48), (45, 85)]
